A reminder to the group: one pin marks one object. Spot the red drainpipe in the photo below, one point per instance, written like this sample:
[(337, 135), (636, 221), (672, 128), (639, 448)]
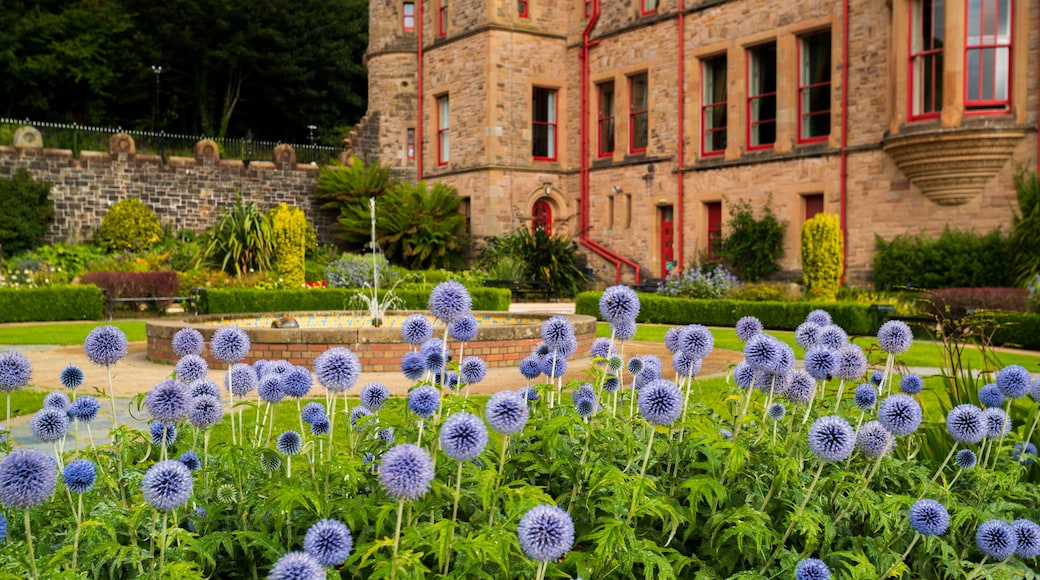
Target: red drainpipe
[(419, 90), (844, 133), (583, 235), (679, 152)]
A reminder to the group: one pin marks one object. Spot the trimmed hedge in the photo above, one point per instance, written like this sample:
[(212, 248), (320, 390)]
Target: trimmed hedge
[(1018, 330), (232, 300), (858, 319), (78, 302)]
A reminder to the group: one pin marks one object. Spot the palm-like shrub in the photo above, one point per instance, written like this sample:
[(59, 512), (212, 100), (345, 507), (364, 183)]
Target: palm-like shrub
[(538, 255), (342, 188), (243, 239), (1023, 243)]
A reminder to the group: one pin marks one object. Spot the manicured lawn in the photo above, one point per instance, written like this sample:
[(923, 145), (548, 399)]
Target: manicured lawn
[(23, 402), (64, 334)]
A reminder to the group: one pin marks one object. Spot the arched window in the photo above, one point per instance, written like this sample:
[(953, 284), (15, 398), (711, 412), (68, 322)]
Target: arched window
[(542, 215)]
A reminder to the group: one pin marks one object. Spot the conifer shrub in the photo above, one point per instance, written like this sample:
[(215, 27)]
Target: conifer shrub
[(822, 248), (289, 228), (130, 225)]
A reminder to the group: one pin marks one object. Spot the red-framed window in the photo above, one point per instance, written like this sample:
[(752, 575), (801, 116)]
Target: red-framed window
[(408, 16), (647, 7), (638, 113), (410, 145), (442, 17), (814, 87), (987, 58), (761, 100), (927, 19), (522, 8), (713, 105), (542, 212), (543, 124), (443, 130), (714, 230), (813, 205), (605, 118)]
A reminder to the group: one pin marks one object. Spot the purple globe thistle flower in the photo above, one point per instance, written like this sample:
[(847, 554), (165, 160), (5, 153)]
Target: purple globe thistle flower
[(873, 440), (615, 363), (762, 352), (812, 569), (654, 363), (876, 377), (530, 393), (297, 382), (785, 362), (805, 335), (1034, 391), (84, 409), (203, 387), (506, 412), (635, 365), (998, 424), (1024, 455), (1014, 381), (619, 303), (15, 371), (766, 382), (866, 396), (747, 327), (602, 348), (79, 476), (229, 344), (405, 472), (313, 412), (260, 366), (204, 411), (269, 388), (1027, 534), (357, 413), (832, 335), (996, 539), (852, 363), (289, 443), (671, 338), (991, 396), (27, 478), (374, 395), (386, 435), (168, 401), (57, 400), (623, 329), (831, 438), (71, 377), (241, 379), (167, 485), (776, 411), (965, 459), (450, 301), (424, 401), (646, 376), (163, 434), (911, 384), (586, 406), (413, 366), (660, 402), (191, 367), (895, 337), (801, 387), (188, 341), (744, 375), (684, 366), (696, 341), (965, 424), (321, 427), (472, 369), (190, 460), (929, 518), (337, 369), (546, 532), (433, 358), (297, 566), (726, 434), (49, 424), (105, 345), (463, 436), (329, 542), (583, 391), (554, 366), (416, 329), (541, 350), (819, 317), (464, 329), (900, 414), (821, 362), (568, 347), (531, 367), (278, 367)]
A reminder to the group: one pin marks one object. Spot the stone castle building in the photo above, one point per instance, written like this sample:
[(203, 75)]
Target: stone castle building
[(635, 125)]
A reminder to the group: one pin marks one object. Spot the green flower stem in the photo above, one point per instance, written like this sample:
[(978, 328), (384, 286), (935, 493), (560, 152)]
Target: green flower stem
[(642, 472), (498, 479), (162, 546), (939, 471), (686, 403), (79, 528), (1032, 429), (330, 399), (977, 569), (418, 440), (231, 411), (581, 463), (454, 517), (299, 413), (205, 462), (8, 422), (886, 381), (29, 545), (769, 398), (540, 575), (747, 403), (111, 398), (288, 466), (790, 527), (866, 483), (903, 557), (837, 401), (397, 540)]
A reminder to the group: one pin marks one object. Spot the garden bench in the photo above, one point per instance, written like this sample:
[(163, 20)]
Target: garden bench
[(192, 300), (523, 290), (649, 285)]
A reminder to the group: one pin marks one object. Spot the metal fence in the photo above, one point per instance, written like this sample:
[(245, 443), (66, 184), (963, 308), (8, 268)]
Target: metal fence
[(90, 138)]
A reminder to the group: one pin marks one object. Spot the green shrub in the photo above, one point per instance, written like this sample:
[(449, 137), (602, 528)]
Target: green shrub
[(856, 319), (289, 229), (549, 258), (1017, 329), (234, 300), (341, 187), (242, 240), (752, 245), (956, 259), (763, 292), (76, 302), (130, 225), (822, 253), (27, 212)]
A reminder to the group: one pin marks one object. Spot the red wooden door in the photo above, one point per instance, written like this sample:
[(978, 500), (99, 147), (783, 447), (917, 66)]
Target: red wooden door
[(714, 230), (542, 216), (667, 238)]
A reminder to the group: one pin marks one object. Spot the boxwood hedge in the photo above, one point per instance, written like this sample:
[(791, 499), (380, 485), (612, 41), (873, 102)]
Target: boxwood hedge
[(77, 302), (233, 300)]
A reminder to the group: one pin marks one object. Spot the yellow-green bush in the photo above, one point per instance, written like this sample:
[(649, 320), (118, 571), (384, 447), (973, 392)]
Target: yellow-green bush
[(130, 225), (822, 251), (290, 243)]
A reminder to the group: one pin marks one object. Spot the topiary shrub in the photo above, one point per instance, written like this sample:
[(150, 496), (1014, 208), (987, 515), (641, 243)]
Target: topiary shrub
[(130, 225), (289, 229), (822, 253), (27, 212)]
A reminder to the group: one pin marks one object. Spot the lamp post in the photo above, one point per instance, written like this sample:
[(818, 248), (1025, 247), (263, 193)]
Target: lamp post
[(311, 129), (249, 148), (158, 117)]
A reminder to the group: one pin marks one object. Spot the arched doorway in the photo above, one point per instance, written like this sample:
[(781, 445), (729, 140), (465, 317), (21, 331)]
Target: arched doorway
[(542, 212)]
